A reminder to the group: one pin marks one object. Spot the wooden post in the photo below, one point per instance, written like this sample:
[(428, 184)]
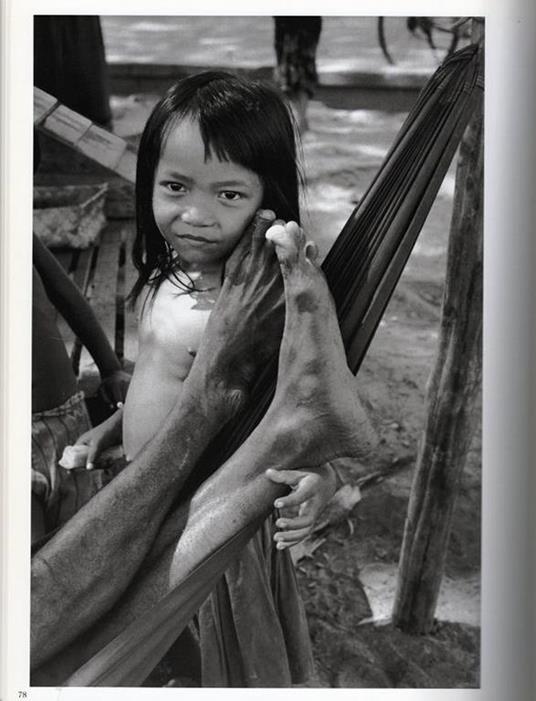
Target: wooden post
[(452, 395)]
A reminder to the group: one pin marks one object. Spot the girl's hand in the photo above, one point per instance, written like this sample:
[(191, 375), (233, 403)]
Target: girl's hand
[(113, 388), (103, 436), (311, 492)]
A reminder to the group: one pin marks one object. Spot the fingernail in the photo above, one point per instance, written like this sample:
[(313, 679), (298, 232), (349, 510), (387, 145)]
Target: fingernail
[(275, 230), (311, 250), (278, 504), (266, 214), (280, 546), (89, 466)]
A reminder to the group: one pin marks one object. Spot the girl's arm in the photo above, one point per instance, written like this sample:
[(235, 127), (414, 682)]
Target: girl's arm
[(105, 435), (73, 306)]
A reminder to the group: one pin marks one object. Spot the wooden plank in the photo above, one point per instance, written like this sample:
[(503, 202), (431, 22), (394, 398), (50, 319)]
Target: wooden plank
[(130, 348), (66, 124), (102, 146), (82, 278), (82, 272), (126, 167), (77, 264), (104, 283), (101, 294), (106, 275), (71, 128), (43, 104)]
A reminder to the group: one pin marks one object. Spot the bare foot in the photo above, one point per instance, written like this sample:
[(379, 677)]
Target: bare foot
[(245, 327), (314, 417), (315, 407)]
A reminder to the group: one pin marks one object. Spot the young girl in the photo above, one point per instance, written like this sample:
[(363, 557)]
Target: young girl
[(215, 150)]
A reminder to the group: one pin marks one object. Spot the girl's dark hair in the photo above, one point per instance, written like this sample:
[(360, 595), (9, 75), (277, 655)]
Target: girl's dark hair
[(243, 121)]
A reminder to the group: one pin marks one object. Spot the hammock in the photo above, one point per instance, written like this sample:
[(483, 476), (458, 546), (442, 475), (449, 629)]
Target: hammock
[(362, 270)]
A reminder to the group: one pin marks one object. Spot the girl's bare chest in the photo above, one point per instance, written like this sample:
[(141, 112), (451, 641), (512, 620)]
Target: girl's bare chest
[(175, 321)]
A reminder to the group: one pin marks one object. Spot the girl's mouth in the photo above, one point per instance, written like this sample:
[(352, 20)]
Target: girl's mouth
[(197, 239)]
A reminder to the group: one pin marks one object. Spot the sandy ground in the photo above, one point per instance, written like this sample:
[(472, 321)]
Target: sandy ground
[(348, 570), (346, 43)]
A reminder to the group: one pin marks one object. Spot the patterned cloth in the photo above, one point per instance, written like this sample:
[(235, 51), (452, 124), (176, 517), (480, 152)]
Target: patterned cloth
[(63, 492)]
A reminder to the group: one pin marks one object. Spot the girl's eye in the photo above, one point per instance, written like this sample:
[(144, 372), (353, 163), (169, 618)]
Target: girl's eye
[(174, 187), (231, 195)]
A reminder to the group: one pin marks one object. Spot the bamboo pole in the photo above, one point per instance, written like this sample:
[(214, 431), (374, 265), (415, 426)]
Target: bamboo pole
[(452, 395)]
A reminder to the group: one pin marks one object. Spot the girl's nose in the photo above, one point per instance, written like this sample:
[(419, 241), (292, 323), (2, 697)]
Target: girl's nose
[(196, 215)]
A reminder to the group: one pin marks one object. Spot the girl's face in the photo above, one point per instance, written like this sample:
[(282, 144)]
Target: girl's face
[(201, 207)]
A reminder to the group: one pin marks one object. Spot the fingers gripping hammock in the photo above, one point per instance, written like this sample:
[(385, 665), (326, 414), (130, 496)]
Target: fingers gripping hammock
[(362, 270)]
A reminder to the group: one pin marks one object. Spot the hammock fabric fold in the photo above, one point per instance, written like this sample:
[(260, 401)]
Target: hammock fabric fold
[(362, 270)]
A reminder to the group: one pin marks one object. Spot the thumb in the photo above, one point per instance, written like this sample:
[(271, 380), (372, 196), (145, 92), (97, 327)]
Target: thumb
[(92, 455), (290, 477)]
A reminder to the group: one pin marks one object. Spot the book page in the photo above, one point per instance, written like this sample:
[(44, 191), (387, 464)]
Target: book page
[(487, 589)]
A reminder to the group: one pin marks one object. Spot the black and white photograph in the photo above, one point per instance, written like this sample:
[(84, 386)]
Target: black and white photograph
[(258, 328)]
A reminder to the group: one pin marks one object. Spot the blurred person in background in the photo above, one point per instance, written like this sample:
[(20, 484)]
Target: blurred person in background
[(296, 41), (70, 64)]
